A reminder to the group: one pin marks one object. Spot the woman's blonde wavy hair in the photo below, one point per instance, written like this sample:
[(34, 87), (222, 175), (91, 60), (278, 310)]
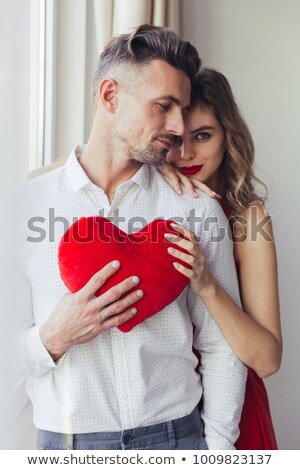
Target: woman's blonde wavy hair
[(211, 90)]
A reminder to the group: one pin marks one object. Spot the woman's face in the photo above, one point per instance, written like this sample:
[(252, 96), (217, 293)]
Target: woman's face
[(203, 147)]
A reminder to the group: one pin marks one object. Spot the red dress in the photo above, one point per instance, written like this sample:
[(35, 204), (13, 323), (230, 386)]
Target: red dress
[(256, 427)]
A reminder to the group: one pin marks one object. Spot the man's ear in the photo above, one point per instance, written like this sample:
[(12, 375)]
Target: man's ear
[(108, 91)]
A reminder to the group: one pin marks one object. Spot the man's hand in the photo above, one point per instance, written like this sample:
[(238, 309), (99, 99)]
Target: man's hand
[(82, 316)]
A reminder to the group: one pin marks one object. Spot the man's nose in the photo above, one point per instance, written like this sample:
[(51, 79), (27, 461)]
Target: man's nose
[(175, 124)]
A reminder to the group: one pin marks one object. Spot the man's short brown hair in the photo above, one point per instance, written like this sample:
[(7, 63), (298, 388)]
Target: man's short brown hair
[(144, 44)]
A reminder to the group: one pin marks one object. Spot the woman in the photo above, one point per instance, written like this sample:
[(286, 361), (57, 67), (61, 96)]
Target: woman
[(217, 150)]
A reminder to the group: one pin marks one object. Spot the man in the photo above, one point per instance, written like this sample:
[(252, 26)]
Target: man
[(93, 387)]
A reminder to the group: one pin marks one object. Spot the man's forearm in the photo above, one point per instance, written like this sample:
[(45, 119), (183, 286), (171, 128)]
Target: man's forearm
[(224, 388), (223, 374)]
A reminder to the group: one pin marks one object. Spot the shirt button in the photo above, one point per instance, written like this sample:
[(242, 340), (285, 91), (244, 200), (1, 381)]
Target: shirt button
[(127, 439)]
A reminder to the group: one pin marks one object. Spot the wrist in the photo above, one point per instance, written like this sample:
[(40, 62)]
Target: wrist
[(209, 290), (50, 344)]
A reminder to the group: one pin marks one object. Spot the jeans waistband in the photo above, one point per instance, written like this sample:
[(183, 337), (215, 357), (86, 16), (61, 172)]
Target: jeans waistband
[(182, 426), (133, 438)]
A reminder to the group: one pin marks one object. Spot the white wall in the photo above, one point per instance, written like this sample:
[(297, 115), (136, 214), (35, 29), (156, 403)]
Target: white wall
[(255, 43), (14, 98)]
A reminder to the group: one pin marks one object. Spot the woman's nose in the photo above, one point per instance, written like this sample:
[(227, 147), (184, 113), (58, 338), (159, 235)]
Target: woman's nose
[(186, 152)]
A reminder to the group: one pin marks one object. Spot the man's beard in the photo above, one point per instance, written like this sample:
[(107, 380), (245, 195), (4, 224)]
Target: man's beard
[(143, 154), (148, 154)]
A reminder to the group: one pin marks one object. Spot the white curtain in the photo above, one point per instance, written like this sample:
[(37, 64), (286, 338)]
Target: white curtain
[(120, 16)]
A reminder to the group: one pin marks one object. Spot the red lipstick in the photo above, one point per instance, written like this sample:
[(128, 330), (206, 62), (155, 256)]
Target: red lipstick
[(190, 170)]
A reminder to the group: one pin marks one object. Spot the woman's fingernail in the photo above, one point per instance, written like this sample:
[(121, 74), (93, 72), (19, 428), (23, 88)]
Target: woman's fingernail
[(195, 194), (169, 236), (174, 225), (217, 195), (115, 264), (179, 191), (171, 250), (133, 311), (139, 293), (135, 280), (176, 265)]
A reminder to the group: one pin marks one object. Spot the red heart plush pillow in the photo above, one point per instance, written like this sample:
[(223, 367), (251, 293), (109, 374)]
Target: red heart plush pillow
[(92, 242)]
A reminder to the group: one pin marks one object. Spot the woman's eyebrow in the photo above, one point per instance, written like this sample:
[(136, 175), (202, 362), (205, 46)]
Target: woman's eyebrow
[(200, 129)]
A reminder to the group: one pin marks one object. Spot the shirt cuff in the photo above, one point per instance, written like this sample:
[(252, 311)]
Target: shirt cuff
[(217, 443), (36, 359)]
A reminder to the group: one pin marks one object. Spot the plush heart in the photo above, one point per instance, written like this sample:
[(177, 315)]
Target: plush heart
[(92, 242)]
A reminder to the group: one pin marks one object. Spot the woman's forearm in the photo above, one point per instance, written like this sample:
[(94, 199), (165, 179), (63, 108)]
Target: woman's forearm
[(254, 345)]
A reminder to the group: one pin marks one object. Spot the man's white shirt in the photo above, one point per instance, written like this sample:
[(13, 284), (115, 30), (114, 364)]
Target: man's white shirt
[(120, 381)]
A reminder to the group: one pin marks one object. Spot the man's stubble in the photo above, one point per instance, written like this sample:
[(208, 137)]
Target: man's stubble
[(122, 143)]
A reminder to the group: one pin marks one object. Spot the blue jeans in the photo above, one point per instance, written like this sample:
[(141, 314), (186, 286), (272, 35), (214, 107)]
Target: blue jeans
[(182, 434)]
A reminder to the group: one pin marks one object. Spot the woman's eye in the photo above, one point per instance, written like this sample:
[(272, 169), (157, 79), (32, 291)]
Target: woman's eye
[(202, 136)]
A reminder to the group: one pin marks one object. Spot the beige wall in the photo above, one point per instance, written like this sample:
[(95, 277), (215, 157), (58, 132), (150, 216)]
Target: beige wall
[(255, 43)]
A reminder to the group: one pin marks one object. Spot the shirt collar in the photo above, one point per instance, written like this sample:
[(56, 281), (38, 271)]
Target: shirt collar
[(142, 177), (78, 179)]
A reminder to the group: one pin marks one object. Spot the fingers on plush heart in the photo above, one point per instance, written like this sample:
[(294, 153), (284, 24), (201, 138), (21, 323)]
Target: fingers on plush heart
[(189, 252), (190, 259)]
